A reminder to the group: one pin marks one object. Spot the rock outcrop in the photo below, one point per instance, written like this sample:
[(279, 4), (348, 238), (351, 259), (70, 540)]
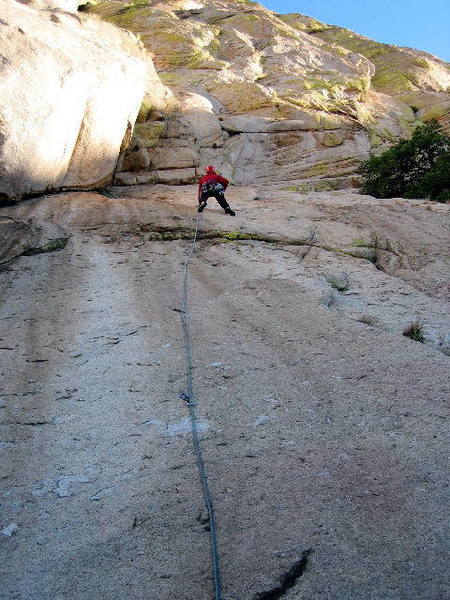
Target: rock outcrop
[(72, 87), (271, 97), (29, 236), (267, 98)]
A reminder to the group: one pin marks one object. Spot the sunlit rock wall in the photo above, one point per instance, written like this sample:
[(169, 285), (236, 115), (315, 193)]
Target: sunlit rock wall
[(295, 99), (71, 88)]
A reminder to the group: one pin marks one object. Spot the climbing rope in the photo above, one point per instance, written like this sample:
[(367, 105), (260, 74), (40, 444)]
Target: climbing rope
[(189, 397)]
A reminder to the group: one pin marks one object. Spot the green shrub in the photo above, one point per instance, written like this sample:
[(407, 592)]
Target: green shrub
[(338, 282), (415, 168), (55, 244), (414, 331), (359, 243), (436, 183)]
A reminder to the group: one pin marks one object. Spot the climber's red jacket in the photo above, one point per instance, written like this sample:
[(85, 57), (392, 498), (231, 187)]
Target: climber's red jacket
[(212, 178)]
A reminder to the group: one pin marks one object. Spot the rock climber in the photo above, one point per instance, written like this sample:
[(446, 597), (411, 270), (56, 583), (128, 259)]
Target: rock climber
[(212, 184)]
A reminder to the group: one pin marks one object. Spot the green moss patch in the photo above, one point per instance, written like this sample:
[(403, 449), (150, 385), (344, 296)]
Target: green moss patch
[(49, 246), (144, 112), (360, 243), (149, 133), (303, 23), (353, 42), (393, 81)]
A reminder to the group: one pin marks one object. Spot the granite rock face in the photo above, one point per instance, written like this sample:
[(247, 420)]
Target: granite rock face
[(72, 87), (323, 426), (264, 97), (271, 97)]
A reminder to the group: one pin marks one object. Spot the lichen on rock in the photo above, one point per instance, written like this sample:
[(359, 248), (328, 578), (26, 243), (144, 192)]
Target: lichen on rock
[(247, 61)]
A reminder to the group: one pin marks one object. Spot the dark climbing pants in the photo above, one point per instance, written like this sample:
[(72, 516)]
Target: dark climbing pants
[(218, 195)]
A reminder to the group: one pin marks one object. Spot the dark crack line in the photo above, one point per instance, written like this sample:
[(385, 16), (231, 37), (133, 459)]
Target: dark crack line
[(27, 423), (160, 233), (288, 580)]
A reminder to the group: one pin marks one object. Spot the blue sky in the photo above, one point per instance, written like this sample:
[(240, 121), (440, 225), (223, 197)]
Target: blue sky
[(422, 24)]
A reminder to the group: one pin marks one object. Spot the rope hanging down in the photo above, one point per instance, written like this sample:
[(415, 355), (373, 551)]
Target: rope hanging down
[(189, 397)]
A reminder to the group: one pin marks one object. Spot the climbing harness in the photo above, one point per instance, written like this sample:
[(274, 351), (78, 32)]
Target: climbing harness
[(212, 187), (189, 398)]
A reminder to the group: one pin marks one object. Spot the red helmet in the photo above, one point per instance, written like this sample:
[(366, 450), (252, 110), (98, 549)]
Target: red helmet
[(210, 169)]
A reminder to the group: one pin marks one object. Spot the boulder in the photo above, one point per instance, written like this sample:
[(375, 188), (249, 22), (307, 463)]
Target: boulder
[(175, 176), (167, 157), (205, 126), (71, 87), (176, 126), (16, 236), (136, 158), (29, 236)]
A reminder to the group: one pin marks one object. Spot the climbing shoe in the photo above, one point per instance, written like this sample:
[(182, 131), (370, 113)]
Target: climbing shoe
[(230, 212), (201, 206)]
